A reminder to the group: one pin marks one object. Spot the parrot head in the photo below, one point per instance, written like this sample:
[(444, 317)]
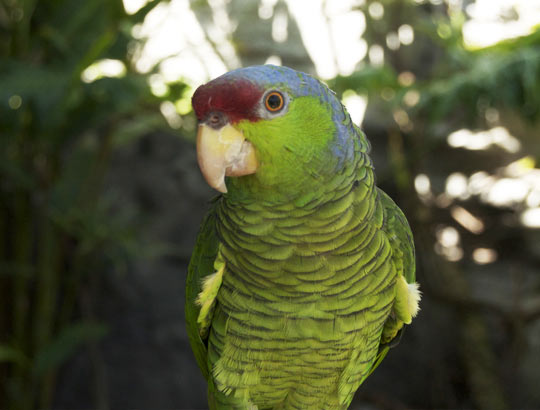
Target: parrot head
[(273, 131)]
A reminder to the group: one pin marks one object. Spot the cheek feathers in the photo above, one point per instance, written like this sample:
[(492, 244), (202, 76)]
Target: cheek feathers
[(236, 98)]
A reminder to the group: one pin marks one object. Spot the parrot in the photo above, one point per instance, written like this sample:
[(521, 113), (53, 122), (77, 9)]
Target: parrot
[(303, 272)]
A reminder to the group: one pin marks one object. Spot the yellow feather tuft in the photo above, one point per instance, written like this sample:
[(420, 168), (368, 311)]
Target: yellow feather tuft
[(413, 301), (406, 305), (207, 297)]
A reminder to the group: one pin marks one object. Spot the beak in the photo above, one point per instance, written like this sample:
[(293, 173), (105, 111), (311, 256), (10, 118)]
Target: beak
[(224, 152)]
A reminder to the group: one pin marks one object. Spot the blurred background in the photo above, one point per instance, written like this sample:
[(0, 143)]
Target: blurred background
[(101, 196)]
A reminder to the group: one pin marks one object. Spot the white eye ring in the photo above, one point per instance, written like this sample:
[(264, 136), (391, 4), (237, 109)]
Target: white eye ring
[(274, 103)]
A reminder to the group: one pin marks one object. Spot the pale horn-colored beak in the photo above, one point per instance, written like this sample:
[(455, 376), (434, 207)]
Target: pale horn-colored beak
[(224, 152)]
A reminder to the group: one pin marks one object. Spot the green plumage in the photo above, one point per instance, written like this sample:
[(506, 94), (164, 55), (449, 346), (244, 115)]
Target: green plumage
[(307, 291)]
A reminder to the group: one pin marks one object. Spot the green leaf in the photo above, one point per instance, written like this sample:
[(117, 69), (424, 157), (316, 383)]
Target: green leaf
[(12, 355), (65, 345)]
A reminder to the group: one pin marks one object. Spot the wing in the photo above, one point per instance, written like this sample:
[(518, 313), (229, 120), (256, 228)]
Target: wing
[(405, 307), (399, 233), (201, 271)]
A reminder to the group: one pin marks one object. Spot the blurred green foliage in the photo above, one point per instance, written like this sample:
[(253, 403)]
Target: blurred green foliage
[(57, 133)]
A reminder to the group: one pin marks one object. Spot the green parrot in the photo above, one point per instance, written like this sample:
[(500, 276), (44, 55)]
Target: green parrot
[(303, 273)]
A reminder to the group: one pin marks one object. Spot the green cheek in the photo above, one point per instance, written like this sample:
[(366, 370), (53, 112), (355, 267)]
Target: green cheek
[(291, 149)]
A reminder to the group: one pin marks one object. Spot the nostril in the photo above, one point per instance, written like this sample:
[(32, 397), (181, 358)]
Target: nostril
[(216, 119)]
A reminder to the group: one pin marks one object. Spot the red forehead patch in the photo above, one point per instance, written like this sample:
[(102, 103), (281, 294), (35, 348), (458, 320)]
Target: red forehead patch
[(235, 97)]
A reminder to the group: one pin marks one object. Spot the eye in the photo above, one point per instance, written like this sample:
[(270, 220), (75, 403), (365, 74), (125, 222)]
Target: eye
[(274, 101)]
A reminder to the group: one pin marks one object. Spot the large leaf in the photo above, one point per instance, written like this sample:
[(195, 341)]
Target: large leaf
[(65, 344), (12, 355)]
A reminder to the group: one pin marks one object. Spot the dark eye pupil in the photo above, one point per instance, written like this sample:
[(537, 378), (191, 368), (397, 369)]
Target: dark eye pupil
[(274, 101)]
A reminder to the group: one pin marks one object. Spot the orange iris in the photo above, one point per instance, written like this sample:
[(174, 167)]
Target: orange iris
[(274, 101)]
